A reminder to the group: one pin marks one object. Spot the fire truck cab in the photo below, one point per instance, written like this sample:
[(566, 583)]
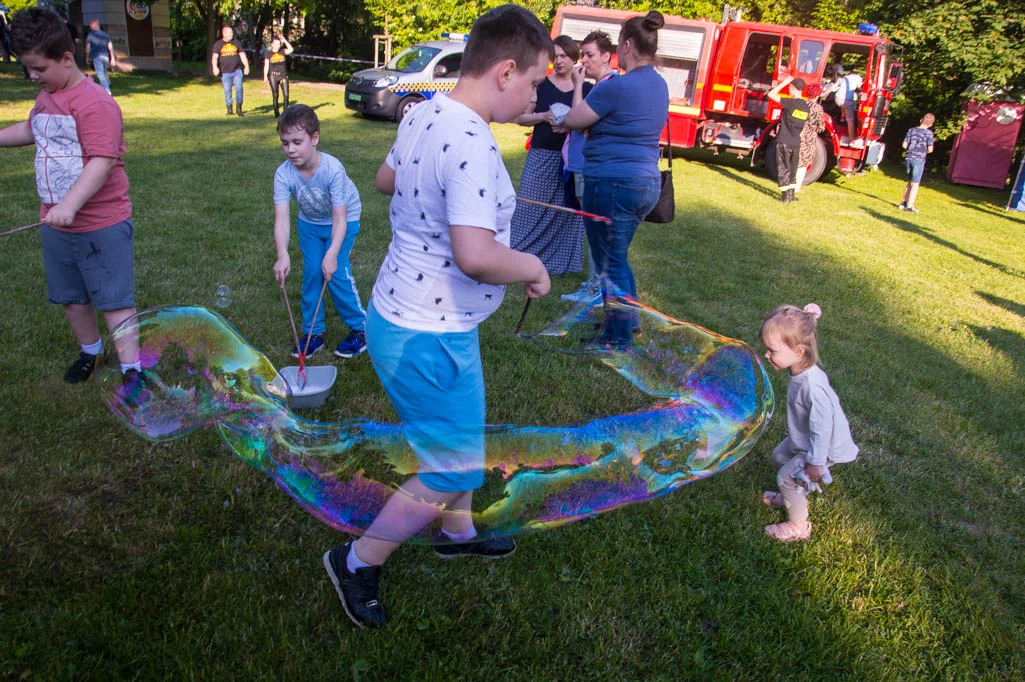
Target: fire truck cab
[(719, 76)]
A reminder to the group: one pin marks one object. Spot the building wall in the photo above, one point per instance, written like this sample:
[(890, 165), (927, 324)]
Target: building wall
[(114, 16)]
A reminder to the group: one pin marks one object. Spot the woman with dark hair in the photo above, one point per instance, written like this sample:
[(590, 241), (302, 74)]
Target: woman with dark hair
[(557, 238), (625, 117)]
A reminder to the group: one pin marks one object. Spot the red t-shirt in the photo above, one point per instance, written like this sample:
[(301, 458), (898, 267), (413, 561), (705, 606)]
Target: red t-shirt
[(71, 127)]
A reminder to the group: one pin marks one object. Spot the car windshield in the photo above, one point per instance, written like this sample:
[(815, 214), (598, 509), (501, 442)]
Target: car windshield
[(414, 59)]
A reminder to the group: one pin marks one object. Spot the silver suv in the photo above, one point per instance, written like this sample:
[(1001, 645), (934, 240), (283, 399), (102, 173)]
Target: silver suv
[(413, 75)]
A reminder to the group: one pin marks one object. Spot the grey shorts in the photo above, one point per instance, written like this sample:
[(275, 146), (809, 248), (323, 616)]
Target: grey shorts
[(90, 267)]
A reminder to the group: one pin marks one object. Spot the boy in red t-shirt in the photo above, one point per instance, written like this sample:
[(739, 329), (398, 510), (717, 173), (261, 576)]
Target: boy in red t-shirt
[(87, 231)]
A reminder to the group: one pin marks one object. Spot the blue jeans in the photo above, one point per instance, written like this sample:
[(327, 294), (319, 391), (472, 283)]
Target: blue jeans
[(313, 242), (228, 80), (100, 64), (915, 168), (627, 201)]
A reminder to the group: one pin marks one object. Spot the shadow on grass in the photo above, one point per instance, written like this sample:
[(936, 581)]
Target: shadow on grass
[(740, 177), (927, 234), (1012, 306), (689, 578)]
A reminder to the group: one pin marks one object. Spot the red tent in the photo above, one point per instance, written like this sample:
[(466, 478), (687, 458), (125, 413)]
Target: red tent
[(984, 147)]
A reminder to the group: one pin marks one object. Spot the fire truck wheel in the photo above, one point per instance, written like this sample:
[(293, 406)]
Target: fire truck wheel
[(819, 164), (405, 104), (815, 171)]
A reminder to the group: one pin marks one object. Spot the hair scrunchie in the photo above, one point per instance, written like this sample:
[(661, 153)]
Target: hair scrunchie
[(814, 310)]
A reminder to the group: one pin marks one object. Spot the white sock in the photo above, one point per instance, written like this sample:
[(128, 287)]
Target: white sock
[(137, 366), (465, 536), (93, 348), (352, 562)]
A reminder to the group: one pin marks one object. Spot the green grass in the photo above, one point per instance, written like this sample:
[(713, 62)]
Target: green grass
[(125, 559)]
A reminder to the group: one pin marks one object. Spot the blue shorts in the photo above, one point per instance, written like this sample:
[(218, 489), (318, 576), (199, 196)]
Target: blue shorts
[(915, 169), (436, 384), (90, 267)]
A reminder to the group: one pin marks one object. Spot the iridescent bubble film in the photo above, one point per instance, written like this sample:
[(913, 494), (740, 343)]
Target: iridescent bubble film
[(713, 401), (222, 296)]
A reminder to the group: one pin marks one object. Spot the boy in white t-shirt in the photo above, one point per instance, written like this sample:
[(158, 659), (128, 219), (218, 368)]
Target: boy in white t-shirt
[(445, 272)]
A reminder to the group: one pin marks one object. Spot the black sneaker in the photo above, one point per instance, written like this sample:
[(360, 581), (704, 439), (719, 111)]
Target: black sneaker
[(82, 369), (492, 548), (357, 591)]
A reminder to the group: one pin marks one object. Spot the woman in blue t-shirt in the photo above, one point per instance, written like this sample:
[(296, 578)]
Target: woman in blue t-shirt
[(625, 117)]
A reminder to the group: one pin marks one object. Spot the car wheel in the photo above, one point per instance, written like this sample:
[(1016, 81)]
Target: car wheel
[(405, 105)]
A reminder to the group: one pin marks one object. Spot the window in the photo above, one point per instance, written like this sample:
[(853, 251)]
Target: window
[(809, 55)]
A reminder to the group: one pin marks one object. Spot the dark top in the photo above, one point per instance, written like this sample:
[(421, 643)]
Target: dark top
[(919, 140), (547, 95), (791, 121), (228, 55), (277, 62), (97, 41)]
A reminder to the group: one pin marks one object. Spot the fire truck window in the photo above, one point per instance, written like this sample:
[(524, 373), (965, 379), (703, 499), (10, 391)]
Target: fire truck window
[(759, 64), (679, 76), (809, 55)]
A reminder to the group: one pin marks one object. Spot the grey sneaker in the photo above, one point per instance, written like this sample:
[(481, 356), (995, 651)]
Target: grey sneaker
[(357, 591), (492, 548)]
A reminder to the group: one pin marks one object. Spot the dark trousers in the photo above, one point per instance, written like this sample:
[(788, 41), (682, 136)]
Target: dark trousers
[(278, 80), (786, 166)]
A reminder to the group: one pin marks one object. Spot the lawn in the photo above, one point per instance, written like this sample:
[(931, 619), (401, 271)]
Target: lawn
[(127, 559)]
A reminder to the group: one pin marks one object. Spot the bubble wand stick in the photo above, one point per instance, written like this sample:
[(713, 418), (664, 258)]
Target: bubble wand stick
[(19, 229), (301, 376), (564, 209), (523, 316)]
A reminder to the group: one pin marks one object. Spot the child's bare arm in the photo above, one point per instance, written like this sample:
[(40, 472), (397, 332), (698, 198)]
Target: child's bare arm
[(17, 135), (94, 174), (479, 256), (384, 181), (282, 227), (339, 222)]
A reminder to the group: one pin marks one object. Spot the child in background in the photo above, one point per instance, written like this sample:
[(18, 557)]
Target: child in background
[(87, 231), (445, 272), (329, 211), (818, 435), (918, 143)]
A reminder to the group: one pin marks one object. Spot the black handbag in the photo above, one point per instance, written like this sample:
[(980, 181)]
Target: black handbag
[(665, 209)]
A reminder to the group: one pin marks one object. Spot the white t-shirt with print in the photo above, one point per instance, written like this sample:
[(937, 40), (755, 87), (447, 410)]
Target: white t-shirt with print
[(448, 171)]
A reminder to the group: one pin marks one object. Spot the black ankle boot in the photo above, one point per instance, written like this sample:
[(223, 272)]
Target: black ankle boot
[(230, 112), (238, 109)]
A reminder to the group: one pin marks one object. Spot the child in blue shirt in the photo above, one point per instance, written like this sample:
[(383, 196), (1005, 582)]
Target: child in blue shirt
[(917, 145), (445, 272), (329, 211)]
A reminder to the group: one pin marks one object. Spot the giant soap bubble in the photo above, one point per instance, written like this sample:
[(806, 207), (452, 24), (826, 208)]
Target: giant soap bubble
[(713, 401)]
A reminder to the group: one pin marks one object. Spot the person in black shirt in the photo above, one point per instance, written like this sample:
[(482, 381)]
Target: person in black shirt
[(229, 61), (788, 135), (275, 70)]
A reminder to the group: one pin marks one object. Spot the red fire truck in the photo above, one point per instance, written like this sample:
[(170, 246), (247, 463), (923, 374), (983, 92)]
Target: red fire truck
[(719, 75)]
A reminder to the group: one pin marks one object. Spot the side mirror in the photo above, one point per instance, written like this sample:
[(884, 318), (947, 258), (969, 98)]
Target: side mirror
[(440, 71)]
